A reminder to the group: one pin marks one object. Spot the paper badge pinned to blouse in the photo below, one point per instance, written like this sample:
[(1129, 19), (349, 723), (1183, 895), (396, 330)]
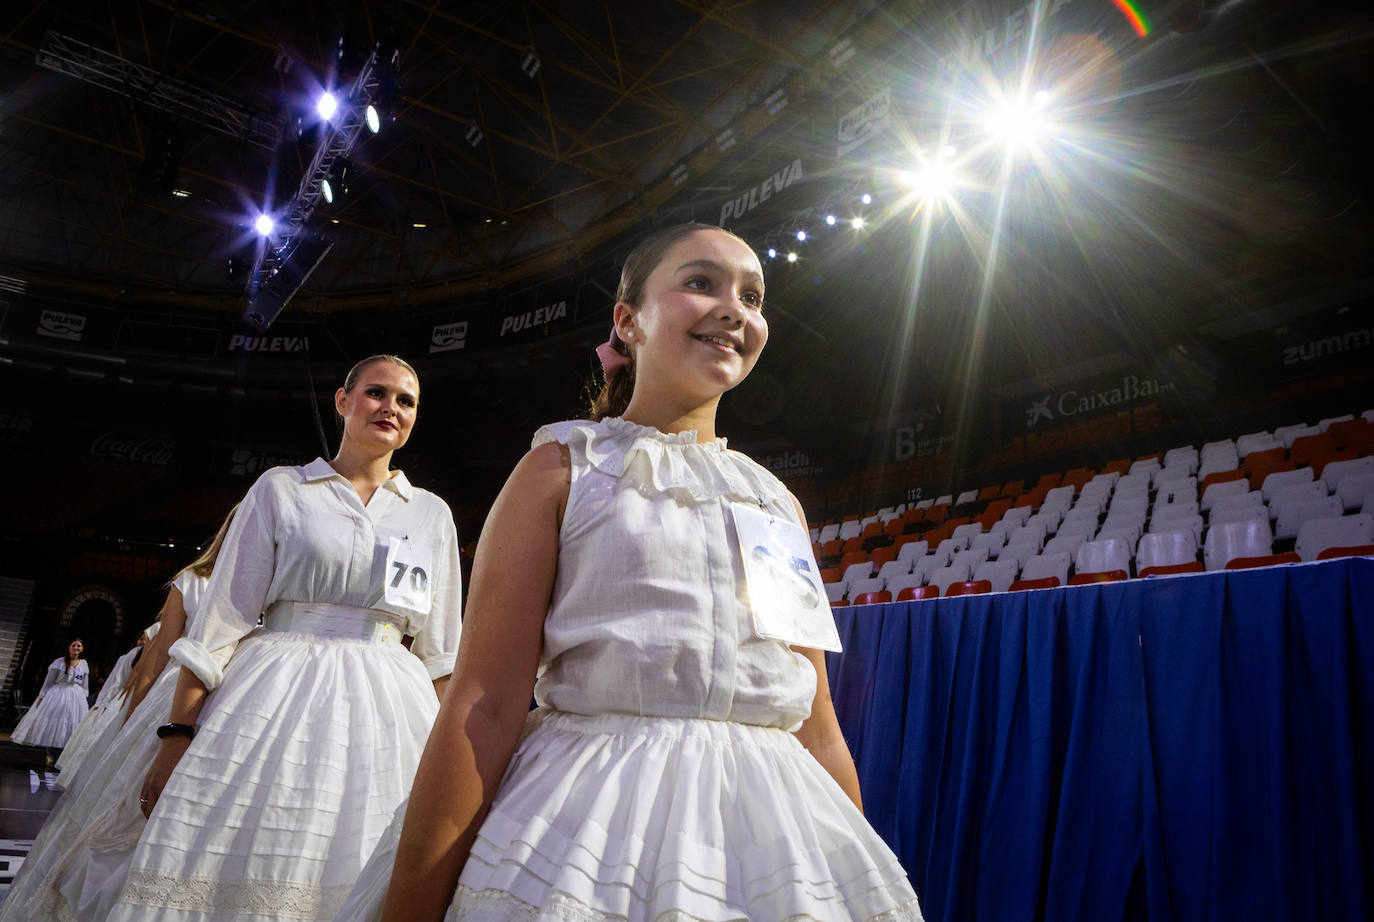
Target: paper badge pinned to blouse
[(786, 596)]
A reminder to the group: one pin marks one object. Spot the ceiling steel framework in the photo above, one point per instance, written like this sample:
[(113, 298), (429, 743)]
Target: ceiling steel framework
[(566, 157)]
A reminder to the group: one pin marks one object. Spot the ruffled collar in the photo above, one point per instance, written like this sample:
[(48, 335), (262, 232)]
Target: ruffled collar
[(654, 461), (621, 426)]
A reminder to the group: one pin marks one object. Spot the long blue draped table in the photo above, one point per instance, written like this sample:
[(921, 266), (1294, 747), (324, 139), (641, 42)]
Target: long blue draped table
[(1187, 748)]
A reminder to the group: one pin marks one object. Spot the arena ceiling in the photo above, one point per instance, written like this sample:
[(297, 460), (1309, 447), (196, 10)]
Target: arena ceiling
[(524, 133)]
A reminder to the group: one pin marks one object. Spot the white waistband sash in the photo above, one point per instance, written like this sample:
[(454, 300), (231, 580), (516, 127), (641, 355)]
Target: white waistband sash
[(325, 619)]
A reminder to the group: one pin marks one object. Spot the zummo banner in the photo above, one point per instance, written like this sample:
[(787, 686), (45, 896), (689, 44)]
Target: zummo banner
[(1100, 396)]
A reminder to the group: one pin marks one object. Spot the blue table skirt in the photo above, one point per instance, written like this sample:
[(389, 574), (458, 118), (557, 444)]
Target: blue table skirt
[(1188, 748)]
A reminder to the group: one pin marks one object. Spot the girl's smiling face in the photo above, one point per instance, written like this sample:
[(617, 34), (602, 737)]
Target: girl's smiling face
[(699, 327)]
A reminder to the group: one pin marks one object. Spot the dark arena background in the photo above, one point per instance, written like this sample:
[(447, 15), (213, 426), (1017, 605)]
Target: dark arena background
[(1005, 243)]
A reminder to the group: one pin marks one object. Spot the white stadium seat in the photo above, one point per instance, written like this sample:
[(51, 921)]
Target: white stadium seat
[(1232, 540), (1316, 535), (1043, 565)]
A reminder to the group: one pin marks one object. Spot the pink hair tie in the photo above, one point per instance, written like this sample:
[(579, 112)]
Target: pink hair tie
[(611, 355)]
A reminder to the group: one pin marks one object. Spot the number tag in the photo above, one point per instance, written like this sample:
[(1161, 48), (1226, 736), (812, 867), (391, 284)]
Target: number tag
[(786, 596), (408, 576)]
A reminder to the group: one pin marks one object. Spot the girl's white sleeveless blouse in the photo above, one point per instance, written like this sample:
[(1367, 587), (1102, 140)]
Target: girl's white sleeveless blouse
[(658, 779)]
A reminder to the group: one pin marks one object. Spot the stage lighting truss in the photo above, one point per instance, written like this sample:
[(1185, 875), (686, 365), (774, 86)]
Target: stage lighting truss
[(158, 90), (337, 138)]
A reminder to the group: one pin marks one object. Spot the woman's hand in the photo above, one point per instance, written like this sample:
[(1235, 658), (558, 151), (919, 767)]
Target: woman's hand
[(164, 763)]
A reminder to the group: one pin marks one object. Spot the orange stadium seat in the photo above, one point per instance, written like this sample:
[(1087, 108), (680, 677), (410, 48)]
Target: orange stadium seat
[(1361, 550), (1220, 477), (1106, 576), (852, 557), (1048, 582), (1311, 450), (917, 593), (1119, 466), (1013, 488), (988, 493), (1077, 478), (1269, 560), (1353, 433), (882, 555), (969, 587), (873, 598)]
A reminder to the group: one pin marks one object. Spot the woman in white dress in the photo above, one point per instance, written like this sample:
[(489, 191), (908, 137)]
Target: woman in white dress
[(277, 773), (61, 702), (86, 841), (685, 762), (108, 707)]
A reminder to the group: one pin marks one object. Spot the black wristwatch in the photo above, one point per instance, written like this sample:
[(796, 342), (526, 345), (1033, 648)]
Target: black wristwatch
[(185, 730)]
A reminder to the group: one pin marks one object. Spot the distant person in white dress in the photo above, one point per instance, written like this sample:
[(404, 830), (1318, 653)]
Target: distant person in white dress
[(277, 773), (685, 762), (108, 707), (61, 703), (82, 852)]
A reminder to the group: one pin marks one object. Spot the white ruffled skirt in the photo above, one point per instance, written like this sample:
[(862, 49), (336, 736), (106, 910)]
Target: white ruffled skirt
[(53, 720), (651, 819), (303, 754), (81, 855), (92, 728)]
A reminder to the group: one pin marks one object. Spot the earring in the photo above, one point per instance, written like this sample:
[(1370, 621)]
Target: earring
[(629, 334)]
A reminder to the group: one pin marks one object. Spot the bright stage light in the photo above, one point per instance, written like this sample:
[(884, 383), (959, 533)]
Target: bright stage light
[(906, 178), (857, 224), (264, 224), (374, 120), (866, 199), (791, 257), (327, 106), (772, 253), (830, 220), (934, 183), (1019, 123), (801, 235), (327, 191)]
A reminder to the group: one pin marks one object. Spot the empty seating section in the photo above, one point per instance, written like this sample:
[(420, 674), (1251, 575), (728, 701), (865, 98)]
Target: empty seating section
[(1297, 493)]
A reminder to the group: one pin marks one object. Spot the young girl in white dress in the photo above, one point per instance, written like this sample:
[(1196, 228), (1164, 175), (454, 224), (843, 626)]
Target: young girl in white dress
[(266, 797), (80, 856), (681, 765), (108, 709), (61, 702)]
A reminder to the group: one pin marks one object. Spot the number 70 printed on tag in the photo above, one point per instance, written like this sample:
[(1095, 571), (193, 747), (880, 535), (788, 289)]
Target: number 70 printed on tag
[(408, 576)]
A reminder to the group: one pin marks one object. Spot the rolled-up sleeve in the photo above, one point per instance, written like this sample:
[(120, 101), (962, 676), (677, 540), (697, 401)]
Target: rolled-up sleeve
[(436, 644), (238, 588)]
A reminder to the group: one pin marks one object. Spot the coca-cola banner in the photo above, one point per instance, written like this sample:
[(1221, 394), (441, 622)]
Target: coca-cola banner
[(133, 449)]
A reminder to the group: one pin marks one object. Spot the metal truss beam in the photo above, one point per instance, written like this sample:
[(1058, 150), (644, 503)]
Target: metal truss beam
[(147, 86)]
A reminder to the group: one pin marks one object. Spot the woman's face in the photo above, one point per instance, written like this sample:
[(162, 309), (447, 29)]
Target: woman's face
[(380, 411), (75, 648), (699, 327)]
